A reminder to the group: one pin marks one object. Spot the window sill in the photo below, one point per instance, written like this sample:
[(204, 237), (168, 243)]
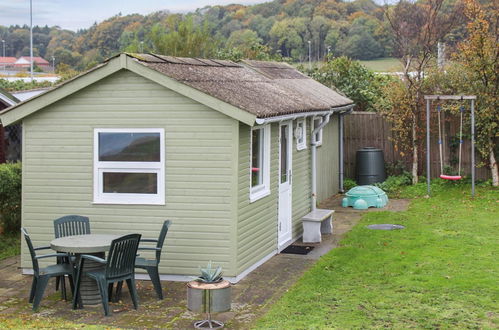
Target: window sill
[(128, 203), (259, 195)]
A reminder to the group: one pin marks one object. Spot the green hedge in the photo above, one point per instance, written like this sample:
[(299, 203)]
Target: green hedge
[(10, 197)]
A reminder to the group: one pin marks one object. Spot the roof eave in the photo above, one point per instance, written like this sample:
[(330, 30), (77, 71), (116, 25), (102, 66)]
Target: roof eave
[(122, 61), (340, 109), (26, 108)]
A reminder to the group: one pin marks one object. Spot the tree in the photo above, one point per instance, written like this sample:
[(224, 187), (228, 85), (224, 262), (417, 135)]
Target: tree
[(479, 57), (417, 28), (353, 79), (182, 37), (288, 36)]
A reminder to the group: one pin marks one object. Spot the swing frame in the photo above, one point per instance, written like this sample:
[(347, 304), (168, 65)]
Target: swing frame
[(429, 99)]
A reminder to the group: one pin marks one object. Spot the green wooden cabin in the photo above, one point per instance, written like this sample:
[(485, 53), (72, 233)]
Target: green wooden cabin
[(222, 149)]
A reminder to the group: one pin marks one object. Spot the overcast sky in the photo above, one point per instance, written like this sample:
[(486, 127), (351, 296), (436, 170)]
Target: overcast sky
[(77, 14)]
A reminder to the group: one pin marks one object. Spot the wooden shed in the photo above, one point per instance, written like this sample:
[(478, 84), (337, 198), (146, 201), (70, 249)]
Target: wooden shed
[(225, 150)]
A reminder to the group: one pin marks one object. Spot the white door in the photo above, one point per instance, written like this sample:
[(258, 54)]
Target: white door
[(285, 181)]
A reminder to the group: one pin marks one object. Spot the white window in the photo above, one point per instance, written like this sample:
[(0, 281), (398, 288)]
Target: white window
[(259, 162), (316, 122), (129, 166), (301, 134)]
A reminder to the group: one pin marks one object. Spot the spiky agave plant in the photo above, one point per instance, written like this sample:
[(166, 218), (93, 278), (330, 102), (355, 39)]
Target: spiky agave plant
[(210, 274)]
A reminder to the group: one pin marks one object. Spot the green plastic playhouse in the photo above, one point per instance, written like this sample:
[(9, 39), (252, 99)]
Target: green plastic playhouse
[(363, 197)]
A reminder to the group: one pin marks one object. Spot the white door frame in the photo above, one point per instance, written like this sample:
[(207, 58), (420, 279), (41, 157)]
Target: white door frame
[(284, 213)]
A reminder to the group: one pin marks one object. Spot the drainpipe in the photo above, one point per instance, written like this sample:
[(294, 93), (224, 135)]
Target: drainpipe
[(314, 159), (341, 150)]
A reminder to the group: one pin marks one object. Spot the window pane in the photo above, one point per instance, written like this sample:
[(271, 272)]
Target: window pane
[(130, 183), (284, 153), (257, 157), (129, 147)]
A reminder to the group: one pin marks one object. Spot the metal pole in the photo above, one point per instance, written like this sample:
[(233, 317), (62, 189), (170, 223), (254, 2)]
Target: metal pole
[(309, 55), (341, 151), (472, 148), (428, 173), (3, 44), (31, 37)]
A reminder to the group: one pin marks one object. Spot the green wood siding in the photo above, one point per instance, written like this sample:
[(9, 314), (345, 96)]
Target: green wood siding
[(200, 167), (301, 181), (328, 161), (257, 221)]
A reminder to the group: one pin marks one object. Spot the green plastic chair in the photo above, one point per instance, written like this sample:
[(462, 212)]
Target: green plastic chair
[(41, 276), (119, 266), (69, 225), (151, 265)]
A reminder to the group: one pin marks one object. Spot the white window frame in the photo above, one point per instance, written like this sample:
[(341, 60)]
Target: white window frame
[(263, 189), (129, 167), (319, 135), (301, 134)]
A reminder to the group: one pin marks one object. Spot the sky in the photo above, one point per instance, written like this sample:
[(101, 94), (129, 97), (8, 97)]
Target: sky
[(78, 14)]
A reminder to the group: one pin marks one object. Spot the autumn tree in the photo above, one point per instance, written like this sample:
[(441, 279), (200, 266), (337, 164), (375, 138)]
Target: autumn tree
[(354, 80), (479, 57), (417, 28)]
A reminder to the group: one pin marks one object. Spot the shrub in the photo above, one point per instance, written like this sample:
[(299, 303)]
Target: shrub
[(348, 184), (395, 183), (10, 197)]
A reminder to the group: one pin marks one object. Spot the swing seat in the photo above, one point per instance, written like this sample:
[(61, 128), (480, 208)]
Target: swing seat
[(450, 177)]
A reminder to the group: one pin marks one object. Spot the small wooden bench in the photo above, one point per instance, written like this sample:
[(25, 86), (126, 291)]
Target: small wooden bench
[(317, 222)]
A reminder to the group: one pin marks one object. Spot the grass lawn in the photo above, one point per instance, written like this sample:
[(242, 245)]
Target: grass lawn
[(36, 322), (388, 64), (10, 245), (440, 272)]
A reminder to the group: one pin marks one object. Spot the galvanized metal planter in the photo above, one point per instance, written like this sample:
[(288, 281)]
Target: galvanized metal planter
[(208, 298)]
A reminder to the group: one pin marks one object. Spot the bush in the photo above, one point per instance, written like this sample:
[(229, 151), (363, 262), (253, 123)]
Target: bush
[(10, 197), (349, 184), (394, 183)]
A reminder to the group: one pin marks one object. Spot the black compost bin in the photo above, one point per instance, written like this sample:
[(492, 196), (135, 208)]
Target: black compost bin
[(370, 166)]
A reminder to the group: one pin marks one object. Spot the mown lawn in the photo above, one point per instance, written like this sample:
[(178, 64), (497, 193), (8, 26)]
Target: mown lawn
[(36, 322), (10, 245), (388, 64), (440, 272)]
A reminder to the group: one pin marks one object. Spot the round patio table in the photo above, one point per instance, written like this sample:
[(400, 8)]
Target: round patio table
[(93, 244)]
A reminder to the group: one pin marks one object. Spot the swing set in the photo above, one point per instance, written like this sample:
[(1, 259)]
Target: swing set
[(444, 176)]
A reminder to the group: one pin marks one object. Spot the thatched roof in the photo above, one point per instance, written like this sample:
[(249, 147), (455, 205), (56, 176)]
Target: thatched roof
[(265, 89)]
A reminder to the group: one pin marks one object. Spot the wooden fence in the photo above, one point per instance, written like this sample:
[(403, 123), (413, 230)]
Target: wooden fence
[(368, 129)]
